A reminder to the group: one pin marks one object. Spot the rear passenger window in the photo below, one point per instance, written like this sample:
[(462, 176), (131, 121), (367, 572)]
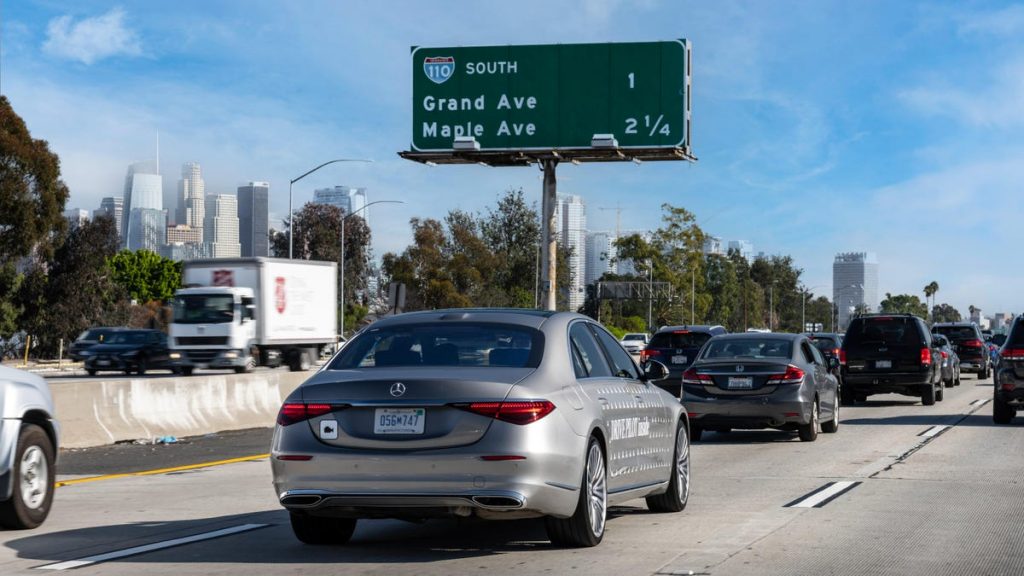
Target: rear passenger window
[(623, 364), (589, 352)]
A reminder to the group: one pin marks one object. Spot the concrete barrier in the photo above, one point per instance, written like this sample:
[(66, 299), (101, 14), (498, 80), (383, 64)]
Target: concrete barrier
[(94, 413)]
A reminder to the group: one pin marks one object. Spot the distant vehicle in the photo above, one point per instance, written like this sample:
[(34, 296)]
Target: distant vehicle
[(28, 449), (761, 381), (969, 344), (544, 414), (77, 351), (128, 351), (634, 342), (828, 343), (950, 361), (676, 347), (890, 353), (1008, 396), (239, 313)]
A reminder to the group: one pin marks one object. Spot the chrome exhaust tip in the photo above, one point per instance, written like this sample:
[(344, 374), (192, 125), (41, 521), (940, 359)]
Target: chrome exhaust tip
[(498, 502), (301, 500)]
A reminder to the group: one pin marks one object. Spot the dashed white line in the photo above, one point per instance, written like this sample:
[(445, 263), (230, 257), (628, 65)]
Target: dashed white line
[(823, 495), (89, 560), (933, 431), (980, 401)]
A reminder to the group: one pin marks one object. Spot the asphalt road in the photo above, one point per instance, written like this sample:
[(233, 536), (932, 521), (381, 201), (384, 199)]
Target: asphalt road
[(900, 489)]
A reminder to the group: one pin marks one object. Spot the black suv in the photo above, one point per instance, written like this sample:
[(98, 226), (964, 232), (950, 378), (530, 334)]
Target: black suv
[(890, 353), (676, 347), (969, 345), (1009, 376)]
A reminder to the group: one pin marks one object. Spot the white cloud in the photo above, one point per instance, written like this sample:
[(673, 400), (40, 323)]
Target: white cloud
[(993, 101), (91, 39), (1005, 23)]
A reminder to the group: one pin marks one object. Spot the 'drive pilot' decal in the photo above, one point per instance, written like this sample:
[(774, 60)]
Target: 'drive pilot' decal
[(630, 428)]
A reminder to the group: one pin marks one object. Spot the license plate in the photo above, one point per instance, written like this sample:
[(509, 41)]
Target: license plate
[(883, 363), (399, 420), (103, 362), (741, 383), (679, 359)]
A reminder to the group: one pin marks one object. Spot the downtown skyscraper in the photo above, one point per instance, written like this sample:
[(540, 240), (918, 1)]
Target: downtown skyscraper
[(571, 222), (254, 219), (191, 197), (144, 221)]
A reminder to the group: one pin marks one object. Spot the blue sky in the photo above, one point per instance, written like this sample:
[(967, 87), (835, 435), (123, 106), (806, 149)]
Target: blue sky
[(821, 127)]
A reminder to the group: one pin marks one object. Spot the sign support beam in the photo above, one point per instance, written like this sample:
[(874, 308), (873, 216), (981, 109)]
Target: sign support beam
[(549, 236)]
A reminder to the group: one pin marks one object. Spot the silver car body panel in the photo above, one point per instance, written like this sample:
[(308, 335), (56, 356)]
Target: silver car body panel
[(21, 393), (441, 471)]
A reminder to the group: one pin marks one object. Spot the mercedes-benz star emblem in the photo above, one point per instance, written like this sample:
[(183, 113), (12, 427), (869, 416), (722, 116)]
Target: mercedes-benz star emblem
[(397, 389)]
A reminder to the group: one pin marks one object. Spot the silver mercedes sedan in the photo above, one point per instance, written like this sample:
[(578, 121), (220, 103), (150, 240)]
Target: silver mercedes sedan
[(493, 413)]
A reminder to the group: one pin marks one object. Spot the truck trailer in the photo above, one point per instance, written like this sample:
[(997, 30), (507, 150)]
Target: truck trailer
[(239, 313)]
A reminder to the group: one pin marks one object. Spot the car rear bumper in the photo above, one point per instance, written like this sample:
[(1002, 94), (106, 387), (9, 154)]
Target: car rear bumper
[(885, 383), (972, 366), (773, 410)]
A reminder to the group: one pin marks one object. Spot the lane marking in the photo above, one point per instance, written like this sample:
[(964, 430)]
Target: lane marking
[(163, 470), (823, 495), (934, 431), (90, 560), (980, 402)]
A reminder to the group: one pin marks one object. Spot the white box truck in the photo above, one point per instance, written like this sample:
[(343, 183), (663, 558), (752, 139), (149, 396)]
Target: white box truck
[(238, 313)]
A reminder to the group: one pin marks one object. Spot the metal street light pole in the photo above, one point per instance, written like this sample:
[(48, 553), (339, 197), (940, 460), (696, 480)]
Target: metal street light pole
[(803, 306), (346, 217), (291, 216)]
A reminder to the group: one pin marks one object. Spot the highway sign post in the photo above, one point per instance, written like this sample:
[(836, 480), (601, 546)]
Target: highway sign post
[(521, 105)]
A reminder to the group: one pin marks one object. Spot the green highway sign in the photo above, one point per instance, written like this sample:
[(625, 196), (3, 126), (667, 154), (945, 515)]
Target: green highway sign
[(552, 96)]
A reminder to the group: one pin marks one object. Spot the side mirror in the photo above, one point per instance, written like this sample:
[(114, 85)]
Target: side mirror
[(654, 371), (833, 363)]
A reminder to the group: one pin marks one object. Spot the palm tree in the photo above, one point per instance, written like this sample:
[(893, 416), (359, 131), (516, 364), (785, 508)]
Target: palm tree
[(929, 292)]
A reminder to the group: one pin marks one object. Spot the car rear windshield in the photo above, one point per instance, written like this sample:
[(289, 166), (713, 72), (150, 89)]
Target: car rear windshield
[(94, 334), (957, 333), (1016, 337), (824, 343), (889, 330), (679, 339), (749, 348), (443, 344)]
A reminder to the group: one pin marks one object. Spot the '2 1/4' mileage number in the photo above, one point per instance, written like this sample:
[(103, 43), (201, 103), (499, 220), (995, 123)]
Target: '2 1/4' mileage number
[(658, 127)]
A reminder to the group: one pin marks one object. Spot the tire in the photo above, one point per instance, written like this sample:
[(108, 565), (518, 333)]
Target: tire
[(678, 494), (956, 378), (1002, 413), (585, 528), (186, 370), (832, 426), (32, 480), (809, 432), (141, 368), (847, 396), (90, 371), (928, 394), (250, 365), (940, 393), (298, 361), (322, 531), (950, 383), (695, 433)]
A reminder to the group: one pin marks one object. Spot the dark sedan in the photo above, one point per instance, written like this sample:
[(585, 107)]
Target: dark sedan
[(950, 361), (129, 351), (761, 381)]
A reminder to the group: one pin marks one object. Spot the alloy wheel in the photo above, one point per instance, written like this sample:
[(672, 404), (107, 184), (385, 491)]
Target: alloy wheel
[(598, 489), (683, 466), (34, 473)]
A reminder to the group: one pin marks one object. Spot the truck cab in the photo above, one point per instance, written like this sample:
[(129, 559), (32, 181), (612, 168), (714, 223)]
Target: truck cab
[(214, 327)]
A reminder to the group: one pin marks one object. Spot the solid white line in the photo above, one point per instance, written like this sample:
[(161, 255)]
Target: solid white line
[(980, 401), (933, 430), (88, 560), (815, 499)]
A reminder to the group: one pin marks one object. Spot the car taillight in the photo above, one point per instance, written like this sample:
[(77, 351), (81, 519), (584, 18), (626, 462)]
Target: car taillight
[(645, 354), (926, 356), (292, 412), (972, 343), (1012, 354), (793, 375), (691, 376), (944, 355), (514, 412), (835, 352), (842, 356)]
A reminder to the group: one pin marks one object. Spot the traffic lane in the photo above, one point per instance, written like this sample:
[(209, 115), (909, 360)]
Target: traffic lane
[(727, 513), (872, 435), (952, 507), (79, 375), (128, 457)]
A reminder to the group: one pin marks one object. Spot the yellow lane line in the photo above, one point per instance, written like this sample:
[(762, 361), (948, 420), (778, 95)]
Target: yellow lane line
[(163, 470)]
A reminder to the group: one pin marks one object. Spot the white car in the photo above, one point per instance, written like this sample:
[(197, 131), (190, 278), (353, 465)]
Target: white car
[(28, 449), (634, 342)]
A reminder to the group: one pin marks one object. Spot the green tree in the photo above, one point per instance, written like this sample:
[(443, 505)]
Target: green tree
[(10, 285), (32, 196), (724, 287), (945, 313), (145, 275), (929, 291), (75, 290), (512, 232), (903, 304)]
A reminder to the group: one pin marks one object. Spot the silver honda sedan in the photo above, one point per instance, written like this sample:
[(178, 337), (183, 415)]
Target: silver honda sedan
[(493, 413)]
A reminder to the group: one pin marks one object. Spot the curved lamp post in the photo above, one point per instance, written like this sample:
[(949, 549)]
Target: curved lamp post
[(343, 219), (291, 216)]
